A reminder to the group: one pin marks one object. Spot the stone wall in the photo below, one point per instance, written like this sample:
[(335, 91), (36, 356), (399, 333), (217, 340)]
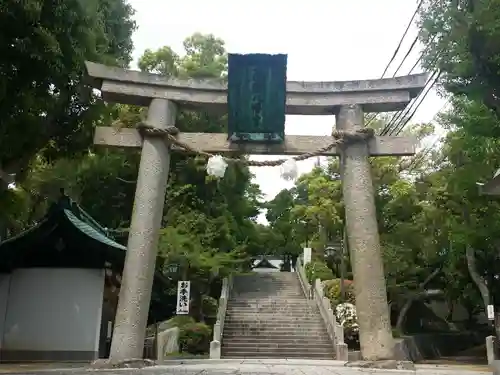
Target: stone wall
[(434, 345)]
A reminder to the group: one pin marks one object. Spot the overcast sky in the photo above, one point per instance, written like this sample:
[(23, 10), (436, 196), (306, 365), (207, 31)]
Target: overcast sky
[(326, 40)]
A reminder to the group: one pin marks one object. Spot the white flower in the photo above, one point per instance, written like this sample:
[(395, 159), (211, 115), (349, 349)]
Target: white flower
[(347, 316), (216, 166), (289, 170)]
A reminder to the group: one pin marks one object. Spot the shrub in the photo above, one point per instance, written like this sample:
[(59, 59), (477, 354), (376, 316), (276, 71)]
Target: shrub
[(209, 307), (332, 291), (176, 321), (195, 338), (318, 270)]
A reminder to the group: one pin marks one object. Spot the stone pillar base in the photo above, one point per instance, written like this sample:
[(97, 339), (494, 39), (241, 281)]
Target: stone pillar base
[(491, 349), (215, 349), (341, 352)]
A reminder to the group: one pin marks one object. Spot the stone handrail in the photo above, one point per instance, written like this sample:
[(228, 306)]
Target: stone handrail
[(335, 330), (304, 284), (218, 330)]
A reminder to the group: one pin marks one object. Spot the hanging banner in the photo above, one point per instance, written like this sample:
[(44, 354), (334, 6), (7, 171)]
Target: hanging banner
[(183, 297)]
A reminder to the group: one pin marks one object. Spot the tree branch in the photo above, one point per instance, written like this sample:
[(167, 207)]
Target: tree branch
[(419, 294)]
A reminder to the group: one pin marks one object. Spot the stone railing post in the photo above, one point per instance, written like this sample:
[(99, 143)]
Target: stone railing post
[(215, 344), (491, 349), (335, 331)]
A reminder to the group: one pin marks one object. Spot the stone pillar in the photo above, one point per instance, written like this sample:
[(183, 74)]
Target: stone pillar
[(490, 349), (138, 273), (376, 338), (307, 255)]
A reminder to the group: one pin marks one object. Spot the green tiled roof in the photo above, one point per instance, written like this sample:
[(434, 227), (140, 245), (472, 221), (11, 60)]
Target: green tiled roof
[(91, 231)]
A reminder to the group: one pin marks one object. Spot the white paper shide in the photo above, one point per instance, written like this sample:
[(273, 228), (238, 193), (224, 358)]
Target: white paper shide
[(183, 297), (289, 170)]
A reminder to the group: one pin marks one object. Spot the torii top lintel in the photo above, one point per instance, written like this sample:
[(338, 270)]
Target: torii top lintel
[(303, 98)]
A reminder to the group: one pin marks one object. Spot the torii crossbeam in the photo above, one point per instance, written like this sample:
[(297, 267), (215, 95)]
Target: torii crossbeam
[(347, 100)]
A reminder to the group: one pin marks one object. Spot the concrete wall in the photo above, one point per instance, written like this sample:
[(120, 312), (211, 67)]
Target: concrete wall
[(52, 314), (4, 296)]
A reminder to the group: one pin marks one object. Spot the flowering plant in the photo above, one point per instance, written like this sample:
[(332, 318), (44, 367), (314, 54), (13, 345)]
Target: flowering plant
[(348, 318)]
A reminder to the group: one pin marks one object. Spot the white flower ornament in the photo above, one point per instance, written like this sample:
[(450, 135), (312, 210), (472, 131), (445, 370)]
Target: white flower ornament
[(216, 166), (289, 170)]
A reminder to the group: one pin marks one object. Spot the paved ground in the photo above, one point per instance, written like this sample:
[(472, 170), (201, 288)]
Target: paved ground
[(243, 367)]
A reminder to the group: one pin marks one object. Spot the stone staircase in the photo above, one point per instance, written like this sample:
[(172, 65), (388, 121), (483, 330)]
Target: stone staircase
[(268, 316)]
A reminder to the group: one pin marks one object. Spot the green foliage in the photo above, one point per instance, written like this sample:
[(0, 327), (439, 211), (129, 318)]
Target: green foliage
[(318, 270), (332, 292), (45, 105), (462, 43), (195, 338), (209, 307), (176, 321)]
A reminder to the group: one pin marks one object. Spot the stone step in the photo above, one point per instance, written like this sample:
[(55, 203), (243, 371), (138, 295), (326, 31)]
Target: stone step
[(299, 304), (265, 332), (274, 318), (269, 310), (290, 353), (270, 356), (281, 323), (267, 347), (271, 330), (268, 284), (270, 295), (268, 276), (272, 313), (289, 301), (279, 341), (288, 336), (267, 296)]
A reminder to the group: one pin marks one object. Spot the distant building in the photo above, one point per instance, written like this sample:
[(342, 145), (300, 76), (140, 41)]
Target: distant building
[(267, 264)]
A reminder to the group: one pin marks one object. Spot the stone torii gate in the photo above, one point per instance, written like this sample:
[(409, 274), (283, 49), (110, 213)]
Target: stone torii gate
[(347, 100)]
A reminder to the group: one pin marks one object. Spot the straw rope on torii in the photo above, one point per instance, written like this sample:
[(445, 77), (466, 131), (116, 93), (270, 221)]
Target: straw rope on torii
[(340, 138)]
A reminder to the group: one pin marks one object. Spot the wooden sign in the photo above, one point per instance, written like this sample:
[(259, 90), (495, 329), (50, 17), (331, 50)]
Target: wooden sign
[(256, 98), (183, 297)]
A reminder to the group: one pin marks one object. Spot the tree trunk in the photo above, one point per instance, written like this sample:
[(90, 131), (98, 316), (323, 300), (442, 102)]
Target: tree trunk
[(476, 277), (413, 297), (451, 310)]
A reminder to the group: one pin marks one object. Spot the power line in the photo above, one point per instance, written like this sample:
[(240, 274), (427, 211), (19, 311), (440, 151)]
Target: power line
[(422, 154), (370, 119), (403, 37), (401, 119), (401, 115)]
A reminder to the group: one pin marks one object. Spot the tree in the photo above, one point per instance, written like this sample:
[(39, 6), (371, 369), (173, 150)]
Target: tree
[(461, 39), (45, 105)]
